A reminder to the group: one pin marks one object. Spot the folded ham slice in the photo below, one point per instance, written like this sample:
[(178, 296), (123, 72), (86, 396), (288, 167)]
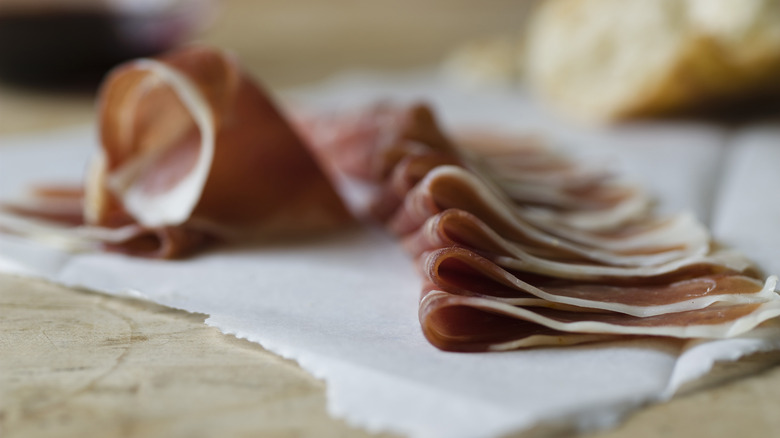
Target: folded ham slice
[(519, 246), (191, 151)]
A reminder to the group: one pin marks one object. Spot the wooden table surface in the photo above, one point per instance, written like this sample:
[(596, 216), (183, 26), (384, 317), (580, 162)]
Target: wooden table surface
[(76, 363)]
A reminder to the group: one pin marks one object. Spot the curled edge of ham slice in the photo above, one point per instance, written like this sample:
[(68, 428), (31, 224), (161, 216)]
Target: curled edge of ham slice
[(452, 187), (477, 313), (530, 274), (461, 272), (193, 150)]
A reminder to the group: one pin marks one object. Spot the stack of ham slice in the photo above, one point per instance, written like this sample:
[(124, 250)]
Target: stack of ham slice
[(192, 151), (519, 246)]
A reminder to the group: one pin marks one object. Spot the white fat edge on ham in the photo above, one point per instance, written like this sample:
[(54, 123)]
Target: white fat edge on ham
[(540, 183), (693, 234), (765, 311), (633, 209), (591, 246), (547, 299), (66, 237), (172, 207), (524, 252), (597, 255), (505, 173), (95, 198), (544, 171), (538, 166), (680, 229), (564, 178), (541, 173), (564, 339), (522, 261), (522, 192), (551, 301)]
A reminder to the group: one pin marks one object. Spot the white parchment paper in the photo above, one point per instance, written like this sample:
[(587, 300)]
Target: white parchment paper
[(345, 306)]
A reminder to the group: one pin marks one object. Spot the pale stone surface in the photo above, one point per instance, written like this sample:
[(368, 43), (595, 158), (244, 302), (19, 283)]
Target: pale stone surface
[(76, 363)]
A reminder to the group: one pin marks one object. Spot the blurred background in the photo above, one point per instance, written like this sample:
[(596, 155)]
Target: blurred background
[(53, 52), (593, 61)]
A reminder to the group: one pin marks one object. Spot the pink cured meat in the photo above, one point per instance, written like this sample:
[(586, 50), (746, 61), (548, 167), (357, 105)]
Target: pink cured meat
[(192, 151), (519, 246)]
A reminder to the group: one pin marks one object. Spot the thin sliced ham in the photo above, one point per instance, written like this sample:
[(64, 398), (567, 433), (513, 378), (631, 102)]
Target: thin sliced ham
[(451, 187), (520, 246), (456, 323), (517, 245), (193, 151), (462, 272)]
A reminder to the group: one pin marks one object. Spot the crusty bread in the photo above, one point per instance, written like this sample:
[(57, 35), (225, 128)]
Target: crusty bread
[(611, 59), (602, 60)]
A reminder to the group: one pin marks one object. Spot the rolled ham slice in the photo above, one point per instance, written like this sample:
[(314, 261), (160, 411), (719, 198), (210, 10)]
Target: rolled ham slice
[(192, 151), (519, 246)]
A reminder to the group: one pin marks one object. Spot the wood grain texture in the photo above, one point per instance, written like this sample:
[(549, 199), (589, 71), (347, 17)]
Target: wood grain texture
[(78, 364)]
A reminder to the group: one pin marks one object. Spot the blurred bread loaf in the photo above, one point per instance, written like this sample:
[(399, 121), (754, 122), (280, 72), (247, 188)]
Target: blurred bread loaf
[(488, 61), (612, 59)]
